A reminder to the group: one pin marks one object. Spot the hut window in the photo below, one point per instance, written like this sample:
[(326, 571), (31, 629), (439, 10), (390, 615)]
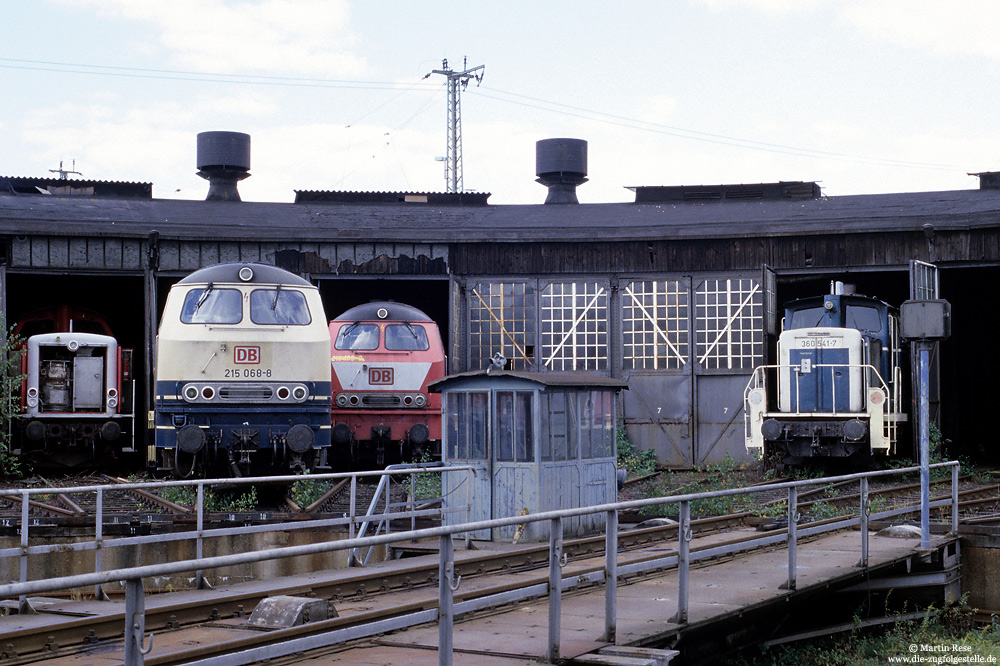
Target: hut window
[(575, 326), (729, 324), (655, 325), (502, 319), (465, 417), (596, 424), (515, 436), (559, 438)]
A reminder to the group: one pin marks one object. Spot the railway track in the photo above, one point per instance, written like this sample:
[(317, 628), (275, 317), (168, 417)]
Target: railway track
[(216, 622)]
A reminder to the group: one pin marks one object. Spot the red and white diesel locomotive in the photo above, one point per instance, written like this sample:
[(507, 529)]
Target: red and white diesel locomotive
[(77, 393), (384, 354)]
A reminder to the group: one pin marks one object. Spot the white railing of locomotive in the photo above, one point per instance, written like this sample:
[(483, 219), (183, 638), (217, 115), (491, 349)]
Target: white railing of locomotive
[(72, 342), (882, 406)]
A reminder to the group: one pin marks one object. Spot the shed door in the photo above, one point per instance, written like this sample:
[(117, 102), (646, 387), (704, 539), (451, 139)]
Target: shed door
[(467, 441)]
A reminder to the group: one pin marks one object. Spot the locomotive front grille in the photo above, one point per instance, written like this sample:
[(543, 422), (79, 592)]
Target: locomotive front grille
[(381, 400), (246, 393)]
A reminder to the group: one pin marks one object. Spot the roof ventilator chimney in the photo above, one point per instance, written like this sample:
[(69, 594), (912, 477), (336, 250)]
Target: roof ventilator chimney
[(223, 160), (561, 165)]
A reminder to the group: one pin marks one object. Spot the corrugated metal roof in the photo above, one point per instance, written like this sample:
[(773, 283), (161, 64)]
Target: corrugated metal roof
[(960, 209)]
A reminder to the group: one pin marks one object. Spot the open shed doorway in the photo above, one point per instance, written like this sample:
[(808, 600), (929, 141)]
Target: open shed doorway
[(429, 295)]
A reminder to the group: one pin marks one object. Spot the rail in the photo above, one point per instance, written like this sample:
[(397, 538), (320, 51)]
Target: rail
[(101, 544), (447, 584)]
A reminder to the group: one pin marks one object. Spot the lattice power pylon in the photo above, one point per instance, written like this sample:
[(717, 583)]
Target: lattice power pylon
[(457, 82)]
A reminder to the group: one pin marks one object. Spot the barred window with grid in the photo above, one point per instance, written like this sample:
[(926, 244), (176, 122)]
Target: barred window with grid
[(575, 326), (502, 320), (655, 325), (729, 324)]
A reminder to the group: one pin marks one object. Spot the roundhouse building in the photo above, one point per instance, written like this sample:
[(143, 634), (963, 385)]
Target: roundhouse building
[(677, 292)]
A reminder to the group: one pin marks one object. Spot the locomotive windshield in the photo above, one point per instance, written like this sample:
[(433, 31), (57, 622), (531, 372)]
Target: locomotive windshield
[(358, 336), (864, 318), (212, 306), (807, 318), (276, 306), (406, 337)]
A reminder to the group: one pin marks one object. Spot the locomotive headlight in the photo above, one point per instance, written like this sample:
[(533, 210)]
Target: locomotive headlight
[(876, 397), (282, 393), (33, 392), (420, 400), (756, 397), (299, 393), (32, 401), (207, 392), (112, 401), (342, 400), (72, 345), (190, 393)]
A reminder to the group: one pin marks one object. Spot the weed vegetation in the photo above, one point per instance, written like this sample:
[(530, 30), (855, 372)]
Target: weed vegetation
[(944, 636)]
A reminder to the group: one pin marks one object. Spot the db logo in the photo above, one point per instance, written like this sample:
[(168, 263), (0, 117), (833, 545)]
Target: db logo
[(246, 354), (380, 376)]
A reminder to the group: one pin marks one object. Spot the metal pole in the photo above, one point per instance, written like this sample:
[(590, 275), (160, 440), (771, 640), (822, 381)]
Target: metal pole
[(925, 445), (555, 588), (413, 501), (135, 623), (954, 499), (683, 561), (446, 600), (200, 542), (99, 539), (793, 509), (24, 544), (354, 510), (611, 577), (865, 510)]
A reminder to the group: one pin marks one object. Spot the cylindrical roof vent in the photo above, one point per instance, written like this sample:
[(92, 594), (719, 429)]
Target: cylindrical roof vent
[(561, 165), (223, 160)]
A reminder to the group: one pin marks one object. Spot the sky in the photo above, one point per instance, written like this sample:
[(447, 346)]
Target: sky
[(862, 96)]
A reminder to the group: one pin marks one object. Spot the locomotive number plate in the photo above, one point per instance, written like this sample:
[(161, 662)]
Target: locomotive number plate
[(815, 343)]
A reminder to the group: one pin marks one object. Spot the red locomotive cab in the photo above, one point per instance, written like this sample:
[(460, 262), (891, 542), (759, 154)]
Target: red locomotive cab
[(383, 356)]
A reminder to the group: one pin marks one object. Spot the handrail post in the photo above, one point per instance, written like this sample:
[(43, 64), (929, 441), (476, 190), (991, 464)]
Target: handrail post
[(954, 500), (446, 600), (865, 511), (793, 510), (611, 577), (98, 539), (135, 623), (555, 588), (24, 544), (683, 561), (413, 501), (200, 542)]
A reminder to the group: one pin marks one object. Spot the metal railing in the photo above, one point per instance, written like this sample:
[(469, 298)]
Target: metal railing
[(448, 584), (101, 544)]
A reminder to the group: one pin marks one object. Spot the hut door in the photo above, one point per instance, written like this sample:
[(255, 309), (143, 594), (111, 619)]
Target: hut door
[(515, 486), (467, 441)]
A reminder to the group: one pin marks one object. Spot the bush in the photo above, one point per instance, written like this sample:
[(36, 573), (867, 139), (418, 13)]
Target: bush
[(637, 463), (10, 397)]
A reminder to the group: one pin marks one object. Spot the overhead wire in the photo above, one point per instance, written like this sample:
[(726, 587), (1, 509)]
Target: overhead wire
[(482, 91)]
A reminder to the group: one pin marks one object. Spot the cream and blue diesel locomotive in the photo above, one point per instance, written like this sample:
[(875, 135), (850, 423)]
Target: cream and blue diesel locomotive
[(836, 391), (242, 374)]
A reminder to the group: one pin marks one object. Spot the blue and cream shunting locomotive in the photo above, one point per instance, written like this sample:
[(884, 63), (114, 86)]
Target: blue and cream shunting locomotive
[(837, 388), (242, 373)]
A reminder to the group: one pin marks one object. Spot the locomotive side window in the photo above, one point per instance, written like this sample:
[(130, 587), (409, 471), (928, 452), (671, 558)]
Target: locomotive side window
[(864, 318), (212, 306), (363, 337), (406, 337), (807, 318), (276, 306)]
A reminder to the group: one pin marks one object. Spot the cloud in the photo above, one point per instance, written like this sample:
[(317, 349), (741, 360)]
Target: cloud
[(289, 37), (957, 27)]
